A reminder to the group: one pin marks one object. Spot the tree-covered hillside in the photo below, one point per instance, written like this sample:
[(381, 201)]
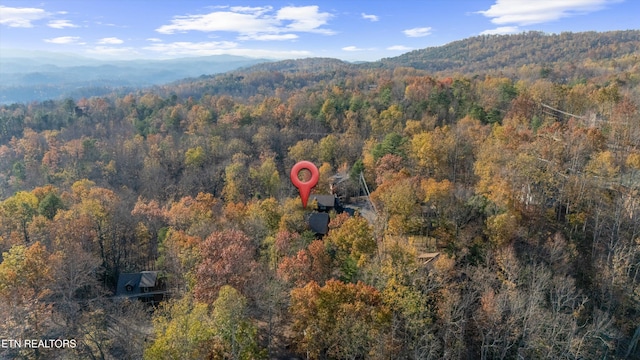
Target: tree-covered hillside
[(504, 215), (511, 52)]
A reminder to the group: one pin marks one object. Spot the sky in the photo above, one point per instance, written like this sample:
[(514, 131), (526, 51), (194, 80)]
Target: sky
[(350, 30)]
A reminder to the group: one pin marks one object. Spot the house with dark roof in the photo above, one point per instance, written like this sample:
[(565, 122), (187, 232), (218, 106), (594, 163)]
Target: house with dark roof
[(318, 223), (327, 203), (145, 285)]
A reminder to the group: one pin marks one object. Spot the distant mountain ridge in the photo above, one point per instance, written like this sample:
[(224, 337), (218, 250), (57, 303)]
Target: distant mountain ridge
[(485, 54), (32, 76), (301, 65), (16, 61), (494, 52)]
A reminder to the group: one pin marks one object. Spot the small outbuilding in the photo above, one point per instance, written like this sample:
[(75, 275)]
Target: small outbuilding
[(428, 258)]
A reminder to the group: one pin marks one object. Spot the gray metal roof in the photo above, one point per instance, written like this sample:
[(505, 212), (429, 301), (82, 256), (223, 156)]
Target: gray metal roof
[(134, 284), (148, 278), (326, 201)]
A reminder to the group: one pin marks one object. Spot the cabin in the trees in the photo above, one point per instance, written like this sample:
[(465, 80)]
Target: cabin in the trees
[(318, 223), (326, 203), (145, 286)]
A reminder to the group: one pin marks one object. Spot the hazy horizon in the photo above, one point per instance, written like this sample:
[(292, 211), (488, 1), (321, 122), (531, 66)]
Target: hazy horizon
[(349, 31)]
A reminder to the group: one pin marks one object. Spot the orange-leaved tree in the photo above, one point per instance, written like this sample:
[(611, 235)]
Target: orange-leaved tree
[(338, 320)]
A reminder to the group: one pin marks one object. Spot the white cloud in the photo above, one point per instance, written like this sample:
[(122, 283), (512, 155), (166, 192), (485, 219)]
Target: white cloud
[(370, 17), (110, 41), (63, 40), (177, 49), (501, 30), (268, 37), (259, 10), (254, 23), (399, 48), (61, 24), (418, 32), (219, 21), (304, 19), (156, 40), (526, 12), (20, 17), (355, 48), (118, 52), (193, 48), (110, 24)]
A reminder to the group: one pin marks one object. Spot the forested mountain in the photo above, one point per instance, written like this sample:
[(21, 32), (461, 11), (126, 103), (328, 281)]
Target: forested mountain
[(504, 218), (509, 53)]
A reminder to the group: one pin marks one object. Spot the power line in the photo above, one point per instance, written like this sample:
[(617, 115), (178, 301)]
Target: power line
[(562, 112)]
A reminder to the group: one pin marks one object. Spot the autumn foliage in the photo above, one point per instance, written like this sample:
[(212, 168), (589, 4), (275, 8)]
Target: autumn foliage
[(503, 218)]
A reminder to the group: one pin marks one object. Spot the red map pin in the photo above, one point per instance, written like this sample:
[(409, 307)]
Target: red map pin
[(304, 187)]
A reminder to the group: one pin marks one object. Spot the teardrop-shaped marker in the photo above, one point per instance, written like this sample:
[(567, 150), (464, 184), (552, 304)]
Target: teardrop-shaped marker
[(304, 187)]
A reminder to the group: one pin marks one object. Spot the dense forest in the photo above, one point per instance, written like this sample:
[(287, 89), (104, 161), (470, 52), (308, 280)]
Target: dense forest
[(503, 220)]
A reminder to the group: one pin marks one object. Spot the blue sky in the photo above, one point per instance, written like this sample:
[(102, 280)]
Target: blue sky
[(349, 30)]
